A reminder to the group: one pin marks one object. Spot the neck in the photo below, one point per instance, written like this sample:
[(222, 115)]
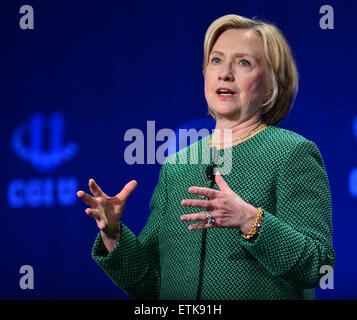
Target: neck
[(235, 129)]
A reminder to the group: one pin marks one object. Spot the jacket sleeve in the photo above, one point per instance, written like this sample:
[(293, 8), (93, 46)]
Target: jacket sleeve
[(134, 263), (296, 241)]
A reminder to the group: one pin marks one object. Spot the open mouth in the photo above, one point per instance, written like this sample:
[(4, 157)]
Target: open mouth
[(225, 92)]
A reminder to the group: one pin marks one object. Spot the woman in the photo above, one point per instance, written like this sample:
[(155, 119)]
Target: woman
[(261, 231)]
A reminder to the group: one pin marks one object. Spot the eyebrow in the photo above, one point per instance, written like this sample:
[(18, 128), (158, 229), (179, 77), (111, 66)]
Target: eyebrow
[(237, 54)]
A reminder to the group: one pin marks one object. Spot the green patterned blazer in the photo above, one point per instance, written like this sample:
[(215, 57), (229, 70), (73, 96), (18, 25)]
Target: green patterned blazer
[(276, 169)]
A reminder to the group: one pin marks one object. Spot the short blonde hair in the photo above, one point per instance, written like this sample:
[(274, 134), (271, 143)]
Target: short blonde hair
[(282, 75)]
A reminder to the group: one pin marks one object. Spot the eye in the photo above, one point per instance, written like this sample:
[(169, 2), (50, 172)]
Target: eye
[(215, 60), (244, 63)]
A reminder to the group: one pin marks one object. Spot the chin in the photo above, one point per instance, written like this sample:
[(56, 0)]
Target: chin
[(225, 111)]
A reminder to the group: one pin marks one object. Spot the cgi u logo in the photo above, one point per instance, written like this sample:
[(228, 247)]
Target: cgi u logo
[(35, 153), (45, 150)]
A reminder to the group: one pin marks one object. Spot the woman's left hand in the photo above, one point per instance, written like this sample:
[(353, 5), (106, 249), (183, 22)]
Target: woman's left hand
[(226, 208)]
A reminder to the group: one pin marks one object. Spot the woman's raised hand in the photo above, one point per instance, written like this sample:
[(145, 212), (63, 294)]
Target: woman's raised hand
[(227, 209), (107, 211)]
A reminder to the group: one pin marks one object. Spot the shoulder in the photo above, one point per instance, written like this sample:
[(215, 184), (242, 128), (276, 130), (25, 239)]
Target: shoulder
[(294, 147), (286, 137), (289, 141)]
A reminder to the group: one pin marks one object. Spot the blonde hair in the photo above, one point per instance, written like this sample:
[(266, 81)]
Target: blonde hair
[(282, 75)]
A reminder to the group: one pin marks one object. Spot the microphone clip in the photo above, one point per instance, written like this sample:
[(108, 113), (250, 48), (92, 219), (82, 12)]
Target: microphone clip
[(210, 174)]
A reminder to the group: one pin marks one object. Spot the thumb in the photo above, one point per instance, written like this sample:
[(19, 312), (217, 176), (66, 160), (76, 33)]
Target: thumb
[(124, 194), (222, 185)]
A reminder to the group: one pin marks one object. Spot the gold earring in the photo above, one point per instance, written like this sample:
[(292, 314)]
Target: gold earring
[(266, 97)]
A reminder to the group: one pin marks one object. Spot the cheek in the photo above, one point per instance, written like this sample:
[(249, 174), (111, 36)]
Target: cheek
[(208, 84), (255, 85)]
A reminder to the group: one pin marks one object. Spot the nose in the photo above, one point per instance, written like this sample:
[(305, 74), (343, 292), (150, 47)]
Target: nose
[(225, 73)]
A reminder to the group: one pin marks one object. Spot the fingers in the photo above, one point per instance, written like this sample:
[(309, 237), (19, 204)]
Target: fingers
[(127, 190), (94, 188), (97, 192), (203, 225), (197, 217), (194, 216), (204, 204), (206, 192), (89, 200), (93, 213)]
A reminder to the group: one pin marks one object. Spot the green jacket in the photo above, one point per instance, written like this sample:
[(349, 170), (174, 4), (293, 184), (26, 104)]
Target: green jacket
[(276, 169)]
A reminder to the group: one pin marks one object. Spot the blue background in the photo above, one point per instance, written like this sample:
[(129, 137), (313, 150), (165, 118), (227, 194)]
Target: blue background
[(109, 66)]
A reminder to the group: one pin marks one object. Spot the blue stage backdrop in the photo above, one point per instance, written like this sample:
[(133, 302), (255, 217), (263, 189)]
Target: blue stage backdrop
[(79, 76)]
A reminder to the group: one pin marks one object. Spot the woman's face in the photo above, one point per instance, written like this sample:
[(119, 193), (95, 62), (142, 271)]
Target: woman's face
[(235, 81)]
